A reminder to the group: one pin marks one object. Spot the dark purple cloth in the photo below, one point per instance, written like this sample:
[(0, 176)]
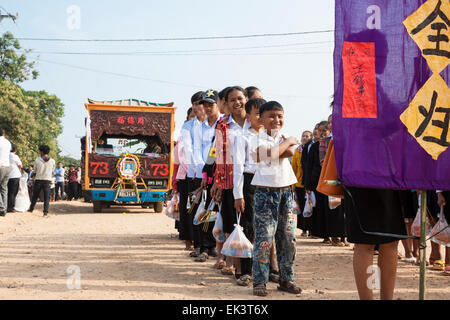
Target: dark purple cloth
[(380, 152)]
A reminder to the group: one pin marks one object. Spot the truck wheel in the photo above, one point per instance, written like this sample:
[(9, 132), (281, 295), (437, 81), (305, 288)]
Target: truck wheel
[(98, 206), (159, 206)]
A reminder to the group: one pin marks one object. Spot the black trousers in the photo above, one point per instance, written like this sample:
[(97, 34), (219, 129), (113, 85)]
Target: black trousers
[(207, 240), (185, 226), (73, 190), (59, 188), (13, 189), (194, 184), (38, 186), (247, 219)]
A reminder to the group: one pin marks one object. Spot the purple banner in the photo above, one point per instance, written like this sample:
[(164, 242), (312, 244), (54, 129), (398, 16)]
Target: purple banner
[(376, 145)]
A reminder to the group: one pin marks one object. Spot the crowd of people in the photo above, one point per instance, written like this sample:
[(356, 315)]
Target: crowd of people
[(21, 188), (231, 145)]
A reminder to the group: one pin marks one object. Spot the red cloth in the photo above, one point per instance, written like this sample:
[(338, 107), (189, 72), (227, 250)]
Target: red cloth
[(73, 175), (224, 167)]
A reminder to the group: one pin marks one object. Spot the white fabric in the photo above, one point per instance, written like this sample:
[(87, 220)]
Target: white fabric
[(5, 150), (188, 147), (23, 198), (242, 161), (14, 162), (208, 133), (197, 142), (271, 171), (44, 169)]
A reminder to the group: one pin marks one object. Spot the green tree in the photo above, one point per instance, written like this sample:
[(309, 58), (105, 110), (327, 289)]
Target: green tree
[(29, 118), (14, 66)]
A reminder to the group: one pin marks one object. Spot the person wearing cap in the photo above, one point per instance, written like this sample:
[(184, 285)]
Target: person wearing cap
[(202, 144)]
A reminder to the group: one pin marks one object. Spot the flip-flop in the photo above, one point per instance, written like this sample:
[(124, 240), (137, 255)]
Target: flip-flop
[(202, 257), (228, 271), (194, 253), (439, 265), (219, 264), (244, 280), (446, 271), (274, 276)]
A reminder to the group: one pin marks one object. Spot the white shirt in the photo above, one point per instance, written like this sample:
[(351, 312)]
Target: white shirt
[(5, 150), (208, 133), (271, 171), (197, 143), (242, 161), (44, 169), (188, 149), (14, 162)]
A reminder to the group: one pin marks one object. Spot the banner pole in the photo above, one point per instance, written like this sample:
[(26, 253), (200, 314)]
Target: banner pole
[(423, 244)]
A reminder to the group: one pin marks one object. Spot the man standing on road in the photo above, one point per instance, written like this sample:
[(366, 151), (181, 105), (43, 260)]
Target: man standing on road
[(44, 166), (59, 175), (5, 169), (73, 183), (14, 178)]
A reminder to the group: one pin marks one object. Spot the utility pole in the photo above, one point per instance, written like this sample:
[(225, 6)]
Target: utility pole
[(8, 16)]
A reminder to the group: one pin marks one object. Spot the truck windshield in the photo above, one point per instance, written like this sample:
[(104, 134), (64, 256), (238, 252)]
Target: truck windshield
[(116, 146)]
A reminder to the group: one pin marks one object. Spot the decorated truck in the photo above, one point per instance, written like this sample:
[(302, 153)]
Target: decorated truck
[(127, 153)]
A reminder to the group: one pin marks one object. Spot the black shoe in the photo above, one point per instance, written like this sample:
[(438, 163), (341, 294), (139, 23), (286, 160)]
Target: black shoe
[(212, 252), (3, 213), (45, 214)]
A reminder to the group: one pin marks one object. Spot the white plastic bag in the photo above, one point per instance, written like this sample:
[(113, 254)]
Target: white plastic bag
[(201, 210), (441, 231), (333, 202), (308, 210), (237, 244), (217, 231), (313, 199), (172, 209), (415, 227)]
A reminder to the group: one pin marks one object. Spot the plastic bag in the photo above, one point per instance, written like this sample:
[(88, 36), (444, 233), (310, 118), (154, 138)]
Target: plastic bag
[(217, 231), (441, 231), (333, 202), (308, 210), (415, 227), (172, 209), (237, 244), (295, 206), (201, 210), (313, 199)]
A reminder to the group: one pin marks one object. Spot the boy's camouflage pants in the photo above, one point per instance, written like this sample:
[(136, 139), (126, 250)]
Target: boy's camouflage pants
[(273, 217)]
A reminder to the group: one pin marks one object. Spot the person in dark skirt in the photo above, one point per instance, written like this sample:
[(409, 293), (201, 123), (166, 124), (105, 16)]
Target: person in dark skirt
[(375, 211), (410, 205), (302, 223)]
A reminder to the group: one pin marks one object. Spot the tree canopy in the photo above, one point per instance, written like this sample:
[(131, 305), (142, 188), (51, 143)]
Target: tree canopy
[(28, 118)]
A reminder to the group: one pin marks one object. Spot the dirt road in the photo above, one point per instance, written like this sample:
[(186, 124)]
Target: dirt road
[(132, 253)]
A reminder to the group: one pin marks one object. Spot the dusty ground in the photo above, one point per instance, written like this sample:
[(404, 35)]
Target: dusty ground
[(132, 254)]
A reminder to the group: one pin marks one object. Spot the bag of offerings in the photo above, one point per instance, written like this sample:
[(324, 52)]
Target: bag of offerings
[(415, 227), (237, 244), (172, 209), (333, 202), (308, 210), (441, 231), (217, 231), (193, 199), (201, 210)]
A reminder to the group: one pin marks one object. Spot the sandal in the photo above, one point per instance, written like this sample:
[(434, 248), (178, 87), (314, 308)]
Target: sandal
[(446, 271), (227, 271), (439, 265), (244, 280), (219, 264), (289, 287), (202, 257), (274, 276), (194, 253), (260, 290)]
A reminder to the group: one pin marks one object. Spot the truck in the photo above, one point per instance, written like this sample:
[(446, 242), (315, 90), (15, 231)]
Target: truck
[(127, 153)]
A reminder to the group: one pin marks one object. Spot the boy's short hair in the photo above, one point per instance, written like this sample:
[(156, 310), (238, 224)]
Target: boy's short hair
[(254, 103), (196, 96), (189, 112), (323, 123), (269, 106), (44, 149), (13, 147)]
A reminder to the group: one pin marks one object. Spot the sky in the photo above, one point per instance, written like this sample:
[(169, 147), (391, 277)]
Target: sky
[(295, 70)]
